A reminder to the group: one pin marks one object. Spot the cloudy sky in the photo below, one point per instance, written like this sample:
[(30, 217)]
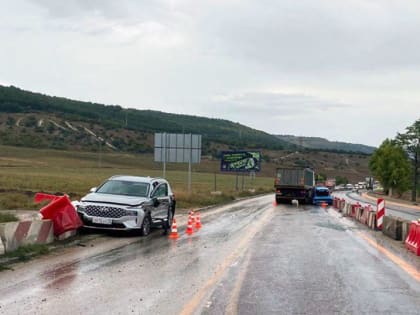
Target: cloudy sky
[(344, 70)]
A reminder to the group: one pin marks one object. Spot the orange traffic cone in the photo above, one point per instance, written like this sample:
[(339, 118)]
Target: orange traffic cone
[(197, 221), (192, 217), (174, 231), (324, 204), (190, 230)]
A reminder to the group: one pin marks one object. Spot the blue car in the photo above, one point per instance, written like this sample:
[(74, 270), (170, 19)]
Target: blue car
[(322, 194)]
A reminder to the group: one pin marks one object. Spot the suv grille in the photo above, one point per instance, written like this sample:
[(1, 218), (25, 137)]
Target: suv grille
[(105, 212)]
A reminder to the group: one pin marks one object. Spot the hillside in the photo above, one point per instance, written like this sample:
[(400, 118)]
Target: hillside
[(37, 120), (324, 144)]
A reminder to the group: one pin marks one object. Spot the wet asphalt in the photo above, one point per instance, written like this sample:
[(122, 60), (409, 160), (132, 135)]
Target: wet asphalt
[(250, 257)]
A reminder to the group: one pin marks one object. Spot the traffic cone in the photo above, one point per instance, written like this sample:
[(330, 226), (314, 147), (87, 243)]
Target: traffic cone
[(190, 230), (174, 230), (324, 204), (192, 217), (197, 221)]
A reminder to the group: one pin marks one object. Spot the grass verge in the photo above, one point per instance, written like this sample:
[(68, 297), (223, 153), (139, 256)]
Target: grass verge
[(26, 252), (8, 217), (23, 253)]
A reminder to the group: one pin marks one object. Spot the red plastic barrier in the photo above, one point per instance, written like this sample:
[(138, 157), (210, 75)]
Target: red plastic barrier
[(353, 209), (41, 197), (413, 238), (61, 212)]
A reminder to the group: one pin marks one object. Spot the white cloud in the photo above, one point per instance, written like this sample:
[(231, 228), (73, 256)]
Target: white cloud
[(306, 64)]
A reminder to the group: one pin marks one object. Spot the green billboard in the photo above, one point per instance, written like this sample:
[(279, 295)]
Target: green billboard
[(240, 161)]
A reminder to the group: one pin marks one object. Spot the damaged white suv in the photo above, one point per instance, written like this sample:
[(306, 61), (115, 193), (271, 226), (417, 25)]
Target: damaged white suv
[(129, 203)]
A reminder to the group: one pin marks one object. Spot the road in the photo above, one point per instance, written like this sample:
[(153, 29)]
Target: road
[(250, 257)]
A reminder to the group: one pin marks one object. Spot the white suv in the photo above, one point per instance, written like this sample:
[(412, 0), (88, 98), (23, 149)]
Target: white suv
[(129, 203)]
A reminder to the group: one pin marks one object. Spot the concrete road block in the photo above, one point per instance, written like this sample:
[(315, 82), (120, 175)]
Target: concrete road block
[(347, 209), (392, 227), (67, 235), (15, 234), (372, 220)]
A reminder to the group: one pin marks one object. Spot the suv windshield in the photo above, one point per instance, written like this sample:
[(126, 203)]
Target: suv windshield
[(127, 188)]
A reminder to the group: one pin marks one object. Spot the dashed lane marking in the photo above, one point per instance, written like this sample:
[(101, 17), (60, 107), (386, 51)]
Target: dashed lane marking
[(198, 298)]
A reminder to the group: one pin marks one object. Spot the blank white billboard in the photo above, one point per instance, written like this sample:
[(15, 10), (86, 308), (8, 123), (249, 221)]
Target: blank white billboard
[(177, 148)]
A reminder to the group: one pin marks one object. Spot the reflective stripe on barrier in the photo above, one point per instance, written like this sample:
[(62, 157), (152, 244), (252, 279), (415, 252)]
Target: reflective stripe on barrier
[(380, 212)]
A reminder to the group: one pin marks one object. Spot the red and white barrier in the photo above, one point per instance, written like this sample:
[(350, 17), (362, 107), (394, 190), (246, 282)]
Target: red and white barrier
[(15, 234), (380, 213), (413, 239)]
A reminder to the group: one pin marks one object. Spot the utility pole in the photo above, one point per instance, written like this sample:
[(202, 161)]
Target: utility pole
[(100, 154)]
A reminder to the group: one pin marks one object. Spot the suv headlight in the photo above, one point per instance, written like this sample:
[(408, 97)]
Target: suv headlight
[(131, 212), (80, 207), (134, 210)]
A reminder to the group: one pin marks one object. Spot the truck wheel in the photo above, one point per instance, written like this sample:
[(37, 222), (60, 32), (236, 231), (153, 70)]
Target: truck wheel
[(278, 200), (146, 226)]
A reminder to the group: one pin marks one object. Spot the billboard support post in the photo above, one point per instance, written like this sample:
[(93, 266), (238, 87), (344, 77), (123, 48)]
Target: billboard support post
[(252, 175), (189, 177), (215, 182), (164, 154)]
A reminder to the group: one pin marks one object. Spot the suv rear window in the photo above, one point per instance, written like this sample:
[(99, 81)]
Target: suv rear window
[(126, 188), (322, 193)]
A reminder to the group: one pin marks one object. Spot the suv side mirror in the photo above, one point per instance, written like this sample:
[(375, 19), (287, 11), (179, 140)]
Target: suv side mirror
[(155, 202), (92, 190)]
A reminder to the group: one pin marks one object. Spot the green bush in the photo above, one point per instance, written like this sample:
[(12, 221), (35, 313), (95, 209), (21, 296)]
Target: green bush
[(7, 217)]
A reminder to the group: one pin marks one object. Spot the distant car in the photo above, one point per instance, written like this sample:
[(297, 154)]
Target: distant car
[(129, 203), (349, 186), (339, 187), (322, 194)]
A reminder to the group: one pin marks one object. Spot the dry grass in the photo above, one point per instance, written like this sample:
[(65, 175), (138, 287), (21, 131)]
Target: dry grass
[(27, 171)]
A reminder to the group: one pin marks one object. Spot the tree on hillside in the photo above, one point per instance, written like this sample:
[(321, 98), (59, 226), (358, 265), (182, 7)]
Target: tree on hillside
[(390, 164), (410, 141), (341, 180)]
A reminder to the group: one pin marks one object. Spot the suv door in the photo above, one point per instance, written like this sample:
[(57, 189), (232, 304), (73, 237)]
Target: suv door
[(160, 210)]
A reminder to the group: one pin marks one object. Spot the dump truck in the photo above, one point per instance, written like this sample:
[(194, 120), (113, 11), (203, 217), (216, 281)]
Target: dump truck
[(294, 184)]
